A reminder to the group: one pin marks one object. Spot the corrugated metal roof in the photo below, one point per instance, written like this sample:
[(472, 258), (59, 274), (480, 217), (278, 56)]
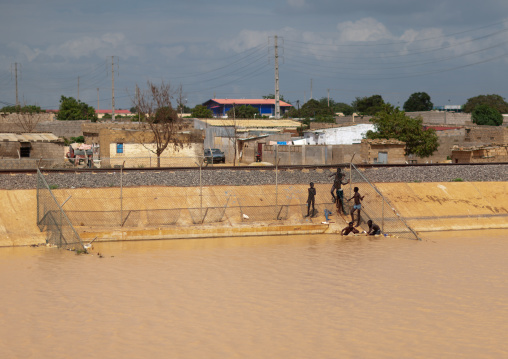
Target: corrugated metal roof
[(251, 123), (28, 137), (241, 101)]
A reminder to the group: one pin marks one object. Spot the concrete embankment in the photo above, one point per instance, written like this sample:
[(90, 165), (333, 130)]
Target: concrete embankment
[(425, 207), (449, 205)]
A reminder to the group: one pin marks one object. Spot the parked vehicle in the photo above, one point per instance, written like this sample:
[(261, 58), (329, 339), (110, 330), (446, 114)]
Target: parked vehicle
[(82, 154), (214, 155)]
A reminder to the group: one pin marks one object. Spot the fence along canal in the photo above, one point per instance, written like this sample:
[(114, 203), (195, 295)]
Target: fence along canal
[(52, 218), (154, 206)]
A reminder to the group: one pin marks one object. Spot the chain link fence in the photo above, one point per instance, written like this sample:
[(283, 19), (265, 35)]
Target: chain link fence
[(154, 206), (376, 207), (52, 218)]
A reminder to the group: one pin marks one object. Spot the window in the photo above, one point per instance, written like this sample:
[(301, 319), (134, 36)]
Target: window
[(119, 148), (24, 150)]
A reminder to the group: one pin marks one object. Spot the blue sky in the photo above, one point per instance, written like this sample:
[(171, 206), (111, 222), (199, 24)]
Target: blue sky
[(451, 49)]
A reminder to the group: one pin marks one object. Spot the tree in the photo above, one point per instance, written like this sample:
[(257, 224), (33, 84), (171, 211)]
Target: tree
[(314, 108), (160, 118), (25, 108), (72, 110), (418, 101), (201, 111), (26, 117), (486, 115), (391, 122), (494, 101), (243, 111), (368, 105), (346, 109), (272, 96)]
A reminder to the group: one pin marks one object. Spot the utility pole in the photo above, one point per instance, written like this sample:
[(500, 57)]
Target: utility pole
[(311, 89), (16, 76), (277, 102), (97, 100), (78, 88), (137, 103), (112, 88), (328, 97)]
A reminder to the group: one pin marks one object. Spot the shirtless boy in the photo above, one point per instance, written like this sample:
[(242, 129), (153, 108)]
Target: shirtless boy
[(357, 206), (337, 184), (373, 228), (349, 229), (311, 199)]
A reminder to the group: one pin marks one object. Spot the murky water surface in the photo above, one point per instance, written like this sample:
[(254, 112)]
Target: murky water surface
[(266, 297)]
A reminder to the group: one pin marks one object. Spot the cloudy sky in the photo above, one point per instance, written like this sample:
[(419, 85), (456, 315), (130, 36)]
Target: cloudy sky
[(451, 49)]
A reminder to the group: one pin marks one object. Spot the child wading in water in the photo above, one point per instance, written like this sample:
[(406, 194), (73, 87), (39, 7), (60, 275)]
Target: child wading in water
[(357, 206), (311, 199)]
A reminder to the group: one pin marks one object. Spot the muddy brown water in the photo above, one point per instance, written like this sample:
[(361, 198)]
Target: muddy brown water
[(320, 296)]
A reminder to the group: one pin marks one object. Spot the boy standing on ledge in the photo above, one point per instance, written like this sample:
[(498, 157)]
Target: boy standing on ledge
[(311, 199), (357, 206)]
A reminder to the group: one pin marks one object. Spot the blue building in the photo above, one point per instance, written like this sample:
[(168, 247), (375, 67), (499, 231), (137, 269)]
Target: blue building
[(266, 107)]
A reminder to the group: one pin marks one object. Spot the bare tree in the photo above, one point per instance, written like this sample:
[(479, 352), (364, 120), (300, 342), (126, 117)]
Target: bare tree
[(27, 117), (159, 117), (180, 99)]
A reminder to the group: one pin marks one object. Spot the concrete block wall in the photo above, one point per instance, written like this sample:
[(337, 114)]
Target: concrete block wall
[(312, 155), (370, 153), (138, 155), (486, 135), (442, 117)]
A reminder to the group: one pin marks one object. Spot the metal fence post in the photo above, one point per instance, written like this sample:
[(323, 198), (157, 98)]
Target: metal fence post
[(121, 193), (200, 190), (276, 175)]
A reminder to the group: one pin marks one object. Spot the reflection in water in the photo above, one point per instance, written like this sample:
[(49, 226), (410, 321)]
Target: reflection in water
[(282, 297)]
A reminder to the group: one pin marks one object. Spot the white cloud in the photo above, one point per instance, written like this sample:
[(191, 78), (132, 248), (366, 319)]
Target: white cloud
[(172, 52), (366, 29), (25, 51), (106, 44), (245, 40)]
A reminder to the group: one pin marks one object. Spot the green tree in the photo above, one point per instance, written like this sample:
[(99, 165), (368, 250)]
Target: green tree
[(391, 122), (243, 111), (72, 110), (201, 111), (368, 105), (25, 109), (272, 96), (418, 101), (486, 115), (346, 109), (494, 101), (314, 108)]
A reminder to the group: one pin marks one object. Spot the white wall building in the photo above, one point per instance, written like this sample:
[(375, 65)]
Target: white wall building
[(338, 135)]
